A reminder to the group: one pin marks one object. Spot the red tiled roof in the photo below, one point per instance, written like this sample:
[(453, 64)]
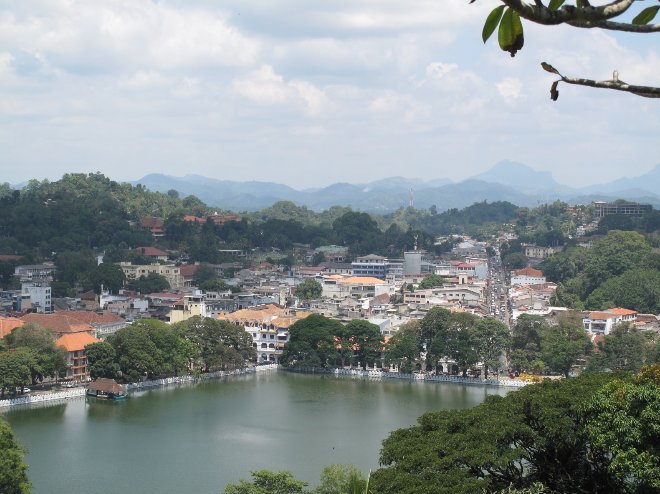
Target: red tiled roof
[(151, 251), (601, 315), (531, 272), (8, 324), (194, 219), (622, 312), (151, 222), (188, 270), (74, 342), (59, 323)]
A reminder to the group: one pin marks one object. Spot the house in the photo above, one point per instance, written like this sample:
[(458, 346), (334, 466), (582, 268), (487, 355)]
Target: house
[(540, 252), (39, 294), (153, 253), (59, 323), (155, 225), (527, 276), (602, 322), (192, 305), (171, 272), (76, 360), (188, 272), (268, 326)]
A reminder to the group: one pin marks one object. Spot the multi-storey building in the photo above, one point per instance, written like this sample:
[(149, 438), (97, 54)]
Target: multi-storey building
[(371, 265), (268, 326), (628, 208)]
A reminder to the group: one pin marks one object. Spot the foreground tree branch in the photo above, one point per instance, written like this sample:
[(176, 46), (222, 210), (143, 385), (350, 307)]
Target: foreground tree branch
[(506, 19)]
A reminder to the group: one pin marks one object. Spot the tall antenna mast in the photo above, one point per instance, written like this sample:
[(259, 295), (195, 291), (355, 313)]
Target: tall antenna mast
[(412, 202)]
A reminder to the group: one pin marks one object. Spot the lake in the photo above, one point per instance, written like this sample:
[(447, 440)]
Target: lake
[(197, 438)]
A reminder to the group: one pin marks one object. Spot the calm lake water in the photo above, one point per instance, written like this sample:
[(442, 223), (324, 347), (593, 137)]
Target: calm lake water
[(195, 439)]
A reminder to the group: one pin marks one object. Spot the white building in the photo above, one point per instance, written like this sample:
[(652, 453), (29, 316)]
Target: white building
[(268, 326), (40, 296), (527, 276), (602, 322)]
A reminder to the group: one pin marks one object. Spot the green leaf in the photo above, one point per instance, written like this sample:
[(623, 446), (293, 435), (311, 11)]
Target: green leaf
[(510, 34), (646, 15), (491, 22), (555, 4)]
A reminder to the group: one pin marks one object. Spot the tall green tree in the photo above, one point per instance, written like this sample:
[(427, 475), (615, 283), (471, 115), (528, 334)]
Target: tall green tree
[(48, 359), (312, 342), (102, 360), (622, 429), (216, 345), (432, 280), (366, 340), (309, 289), (525, 354), (403, 347), (13, 470), (564, 343), (15, 370), (266, 482), (535, 434), (624, 349), (493, 339)]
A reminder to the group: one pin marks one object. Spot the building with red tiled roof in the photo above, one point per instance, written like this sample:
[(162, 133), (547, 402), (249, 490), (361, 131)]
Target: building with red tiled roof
[(268, 326), (64, 322), (75, 344), (58, 323), (602, 322), (527, 276), (8, 324), (153, 253), (155, 225)]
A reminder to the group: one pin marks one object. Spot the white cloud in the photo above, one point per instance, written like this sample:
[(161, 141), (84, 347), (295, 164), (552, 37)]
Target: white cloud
[(510, 88)]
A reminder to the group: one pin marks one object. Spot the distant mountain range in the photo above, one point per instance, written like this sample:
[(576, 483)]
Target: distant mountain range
[(505, 181)]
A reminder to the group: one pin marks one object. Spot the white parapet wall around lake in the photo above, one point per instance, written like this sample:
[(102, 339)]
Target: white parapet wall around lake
[(378, 374)]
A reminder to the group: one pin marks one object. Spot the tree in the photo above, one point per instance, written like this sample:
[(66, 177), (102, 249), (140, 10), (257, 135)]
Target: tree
[(108, 275), (637, 289), (525, 354), (312, 342), (623, 349), (149, 348), (581, 15), (309, 289), (101, 360), (341, 479), (15, 367), (432, 280), (48, 360), (492, 340), (403, 348), (13, 470), (152, 283), (622, 429), (535, 434), (564, 343), (461, 345), (266, 482), (365, 339), (216, 345)]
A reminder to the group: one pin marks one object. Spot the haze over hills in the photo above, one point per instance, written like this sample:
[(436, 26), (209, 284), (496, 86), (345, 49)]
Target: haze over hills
[(505, 181)]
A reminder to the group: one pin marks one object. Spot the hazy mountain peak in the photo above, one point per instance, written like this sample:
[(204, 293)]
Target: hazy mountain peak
[(518, 175)]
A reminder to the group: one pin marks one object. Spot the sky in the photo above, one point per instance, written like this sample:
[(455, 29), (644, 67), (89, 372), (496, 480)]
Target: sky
[(311, 92)]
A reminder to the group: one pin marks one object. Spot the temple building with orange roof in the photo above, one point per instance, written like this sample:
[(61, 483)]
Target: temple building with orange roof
[(602, 322), (76, 359), (268, 326)]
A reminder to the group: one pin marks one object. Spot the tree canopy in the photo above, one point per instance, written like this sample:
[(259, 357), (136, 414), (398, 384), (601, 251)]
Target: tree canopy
[(13, 470)]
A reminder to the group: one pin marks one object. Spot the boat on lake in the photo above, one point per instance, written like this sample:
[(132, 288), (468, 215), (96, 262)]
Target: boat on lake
[(106, 389)]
